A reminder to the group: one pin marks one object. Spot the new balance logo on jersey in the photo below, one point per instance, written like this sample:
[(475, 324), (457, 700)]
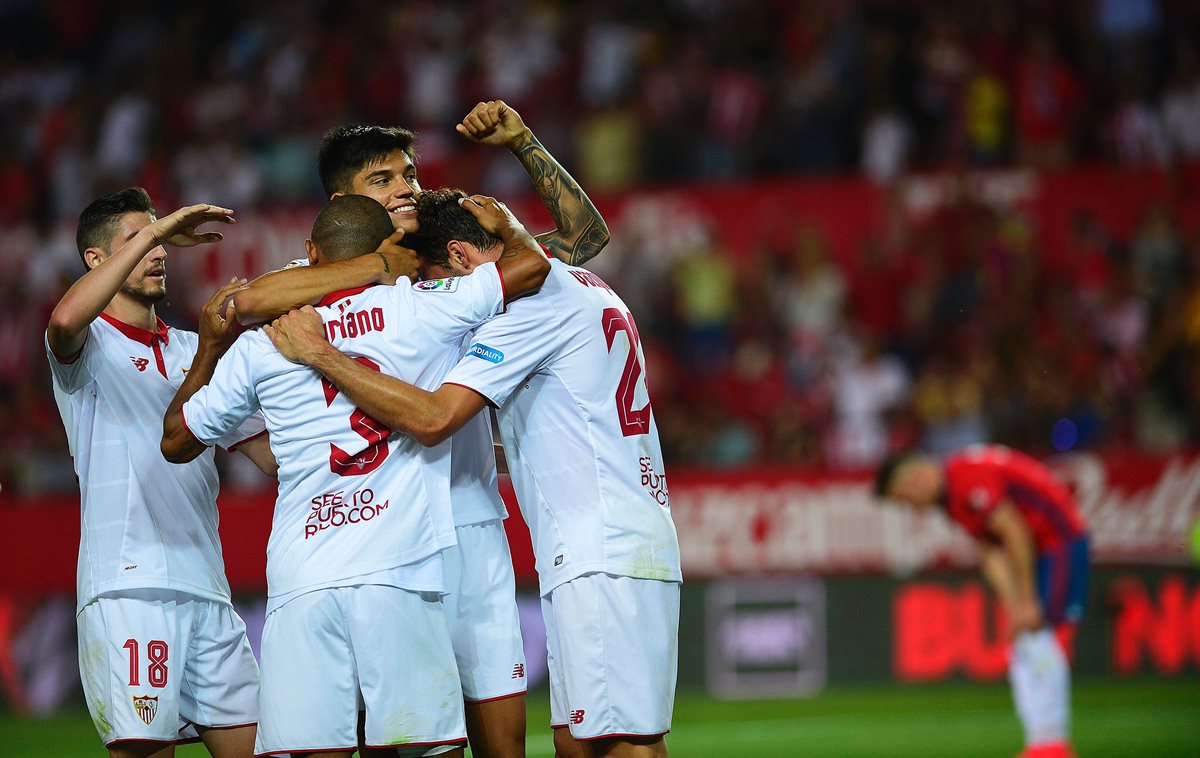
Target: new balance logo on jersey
[(577, 716), (519, 671), (141, 363), (489, 354), (145, 706)]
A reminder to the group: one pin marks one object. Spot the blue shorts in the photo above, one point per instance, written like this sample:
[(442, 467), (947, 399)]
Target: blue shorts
[(1063, 576)]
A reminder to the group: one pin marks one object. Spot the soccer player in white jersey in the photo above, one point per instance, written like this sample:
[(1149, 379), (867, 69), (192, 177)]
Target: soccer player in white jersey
[(481, 603), (354, 565), (584, 455), (162, 654)]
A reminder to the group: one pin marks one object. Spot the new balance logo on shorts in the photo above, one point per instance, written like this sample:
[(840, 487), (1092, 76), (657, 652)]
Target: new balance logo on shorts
[(141, 363), (577, 716), (519, 671), (145, 706)]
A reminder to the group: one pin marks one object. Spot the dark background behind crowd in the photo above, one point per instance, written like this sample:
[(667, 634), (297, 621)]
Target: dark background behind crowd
[(957, 327)]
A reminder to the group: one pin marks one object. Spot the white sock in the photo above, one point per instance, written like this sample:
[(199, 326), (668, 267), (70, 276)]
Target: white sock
[(1041, 685)]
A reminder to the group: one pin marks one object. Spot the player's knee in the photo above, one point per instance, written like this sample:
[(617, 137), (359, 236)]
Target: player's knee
[(138, 749), (631, 747)]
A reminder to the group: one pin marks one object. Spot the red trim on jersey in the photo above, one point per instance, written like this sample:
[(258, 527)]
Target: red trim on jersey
[(236, 445), (333, 297), (469, 701), (159, 363), (460, 741), (73, 356), (138, 334), (486, 399), (503, 290), (618, 735), (559, 726), (183, 416)]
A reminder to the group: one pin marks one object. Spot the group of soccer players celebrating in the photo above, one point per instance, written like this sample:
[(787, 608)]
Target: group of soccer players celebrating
[(368, 384)]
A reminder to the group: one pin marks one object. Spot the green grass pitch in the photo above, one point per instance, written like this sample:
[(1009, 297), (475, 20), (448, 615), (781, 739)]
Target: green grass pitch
[(1126, 718)]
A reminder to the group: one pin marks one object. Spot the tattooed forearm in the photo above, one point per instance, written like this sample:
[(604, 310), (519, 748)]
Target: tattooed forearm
[(580, 229)]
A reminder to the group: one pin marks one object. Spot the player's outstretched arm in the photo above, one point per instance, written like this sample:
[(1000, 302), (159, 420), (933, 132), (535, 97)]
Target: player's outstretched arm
[(581, 232), (523, 267), (428, 417), (1016, 543), (91, 294), (217, 333), (274, 294)]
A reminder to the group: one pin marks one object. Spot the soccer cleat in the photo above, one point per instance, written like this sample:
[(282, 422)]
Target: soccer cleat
[(1048, 750)]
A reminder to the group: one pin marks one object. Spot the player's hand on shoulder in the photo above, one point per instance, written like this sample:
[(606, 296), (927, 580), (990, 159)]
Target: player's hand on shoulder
[(398, 260), (298, 335), (493, 215), (179, 228), (218, 318), (493, 123)]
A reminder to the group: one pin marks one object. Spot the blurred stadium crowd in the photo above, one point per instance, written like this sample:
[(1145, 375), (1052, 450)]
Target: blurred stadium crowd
[(950, 331)]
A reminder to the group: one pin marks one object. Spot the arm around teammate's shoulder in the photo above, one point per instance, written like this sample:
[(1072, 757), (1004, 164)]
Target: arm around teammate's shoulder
[(427, 417), (523, 266)]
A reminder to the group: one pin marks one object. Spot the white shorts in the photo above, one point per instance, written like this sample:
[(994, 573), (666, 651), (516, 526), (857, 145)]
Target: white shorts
[(481, 607), (612, 644), (330, 652), (155, 663)]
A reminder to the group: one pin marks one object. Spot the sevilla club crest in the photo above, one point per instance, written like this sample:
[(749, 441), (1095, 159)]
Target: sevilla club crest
[(145, 706)]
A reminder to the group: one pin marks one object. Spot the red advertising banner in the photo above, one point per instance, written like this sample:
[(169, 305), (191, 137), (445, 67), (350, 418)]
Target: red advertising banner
[(1152, 621), (1140, 509)]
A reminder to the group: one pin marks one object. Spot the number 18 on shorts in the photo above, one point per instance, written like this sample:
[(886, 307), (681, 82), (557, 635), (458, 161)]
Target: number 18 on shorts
[(155, 663)]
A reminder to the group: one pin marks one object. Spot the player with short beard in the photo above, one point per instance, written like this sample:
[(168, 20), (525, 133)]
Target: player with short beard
[(162, 654), (380, 162)]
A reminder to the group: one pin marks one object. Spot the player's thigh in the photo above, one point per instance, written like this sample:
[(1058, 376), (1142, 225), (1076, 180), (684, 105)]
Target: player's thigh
[(220, 686), (131, 656), (481, 610), (496, 728), (308, 696), (617, 647), (229, 742), (405, 668)]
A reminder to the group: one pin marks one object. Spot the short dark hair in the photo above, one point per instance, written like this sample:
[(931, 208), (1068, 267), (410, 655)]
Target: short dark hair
[(886, 473), (349, 226), (344, 150), (98, 221), (442, 220)]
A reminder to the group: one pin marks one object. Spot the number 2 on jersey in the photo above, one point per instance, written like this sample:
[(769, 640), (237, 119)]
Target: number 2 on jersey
[(633, 421), (375, 433)]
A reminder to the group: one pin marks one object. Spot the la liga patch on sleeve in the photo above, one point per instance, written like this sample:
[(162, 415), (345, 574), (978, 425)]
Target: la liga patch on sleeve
[(437, 285)]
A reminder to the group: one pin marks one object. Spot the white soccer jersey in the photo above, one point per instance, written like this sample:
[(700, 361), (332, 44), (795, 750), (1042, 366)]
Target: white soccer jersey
[(564, 367), (474, 487), (147, 523), (474, 483), (354, 497)]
